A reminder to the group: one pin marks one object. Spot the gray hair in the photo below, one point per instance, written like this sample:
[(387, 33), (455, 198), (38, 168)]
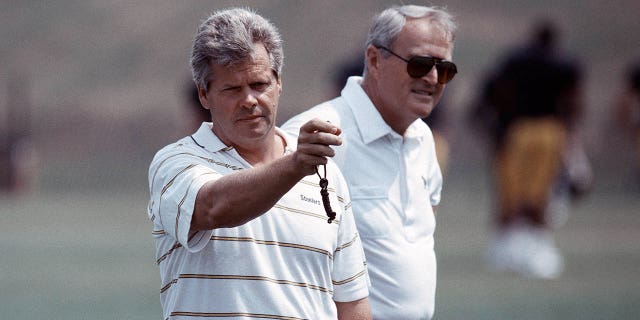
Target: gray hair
[(228, 37), (388, 24)]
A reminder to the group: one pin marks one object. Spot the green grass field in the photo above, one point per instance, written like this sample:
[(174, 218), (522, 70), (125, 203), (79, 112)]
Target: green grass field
[(602, 257), (90, 255)]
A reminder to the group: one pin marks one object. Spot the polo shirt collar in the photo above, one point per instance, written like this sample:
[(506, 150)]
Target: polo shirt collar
[(417, 130), (370, 123), (207, 139), (291, 143)]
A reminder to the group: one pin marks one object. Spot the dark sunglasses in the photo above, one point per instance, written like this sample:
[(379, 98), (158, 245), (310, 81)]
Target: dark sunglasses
[(419, 66)]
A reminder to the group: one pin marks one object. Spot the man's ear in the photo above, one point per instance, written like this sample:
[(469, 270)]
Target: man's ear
[(279, 86), (202, 95), (278, 81), (372, 58)]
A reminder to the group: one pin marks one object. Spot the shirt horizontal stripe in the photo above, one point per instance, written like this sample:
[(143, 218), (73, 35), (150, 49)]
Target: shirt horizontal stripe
[(348, 244), (256, 278), (356, 276), (274, 243), (164, 256), (311, 214), (252, 240), (232, 314)]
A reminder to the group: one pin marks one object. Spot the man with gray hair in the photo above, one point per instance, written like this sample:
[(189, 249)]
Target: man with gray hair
[(388, 155), (238, 211)]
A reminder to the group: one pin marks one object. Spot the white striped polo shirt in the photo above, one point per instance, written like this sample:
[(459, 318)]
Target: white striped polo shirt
[(288, 263)]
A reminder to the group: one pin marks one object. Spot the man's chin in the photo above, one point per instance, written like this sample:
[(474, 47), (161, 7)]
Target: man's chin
[(256, 130), (424, 112)]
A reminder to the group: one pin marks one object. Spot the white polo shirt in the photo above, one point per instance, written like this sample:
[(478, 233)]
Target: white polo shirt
[(394, 181), (289, 263)]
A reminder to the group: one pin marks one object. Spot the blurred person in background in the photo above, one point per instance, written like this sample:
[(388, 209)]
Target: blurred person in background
[(531, 105), (437, 123), (388, 154), (238, 219), (628, 109), (19, 161), (354, 66)]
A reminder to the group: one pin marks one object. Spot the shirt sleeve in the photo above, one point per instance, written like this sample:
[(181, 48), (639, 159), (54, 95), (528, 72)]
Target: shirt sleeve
[(175, 178), (435, 188), (435, 174), (349, 276)]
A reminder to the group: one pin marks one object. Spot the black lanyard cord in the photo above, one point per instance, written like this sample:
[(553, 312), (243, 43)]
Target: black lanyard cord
[(324, 183)]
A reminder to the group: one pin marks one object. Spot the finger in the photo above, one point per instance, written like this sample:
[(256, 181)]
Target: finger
[(338, 131), (326, 139), (318, 125), (317, 131), (316, 150), (309, 162), (319, 138)]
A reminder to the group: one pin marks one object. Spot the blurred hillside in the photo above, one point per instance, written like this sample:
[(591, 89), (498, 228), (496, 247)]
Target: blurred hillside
[(105, 80)]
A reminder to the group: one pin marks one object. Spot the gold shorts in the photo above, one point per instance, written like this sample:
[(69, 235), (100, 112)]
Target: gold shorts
[(529, 163)]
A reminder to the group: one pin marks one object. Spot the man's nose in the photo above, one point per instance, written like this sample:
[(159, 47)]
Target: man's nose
[(432, 76), (249, 99)]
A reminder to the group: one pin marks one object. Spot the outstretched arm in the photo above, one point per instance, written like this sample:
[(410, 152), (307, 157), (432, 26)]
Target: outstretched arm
[(240, 197)]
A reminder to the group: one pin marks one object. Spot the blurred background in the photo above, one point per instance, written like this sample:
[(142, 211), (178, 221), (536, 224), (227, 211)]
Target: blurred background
[(90, 90)]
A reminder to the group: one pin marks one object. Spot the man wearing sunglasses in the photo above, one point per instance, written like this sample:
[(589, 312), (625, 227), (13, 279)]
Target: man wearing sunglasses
[(388, 155)]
